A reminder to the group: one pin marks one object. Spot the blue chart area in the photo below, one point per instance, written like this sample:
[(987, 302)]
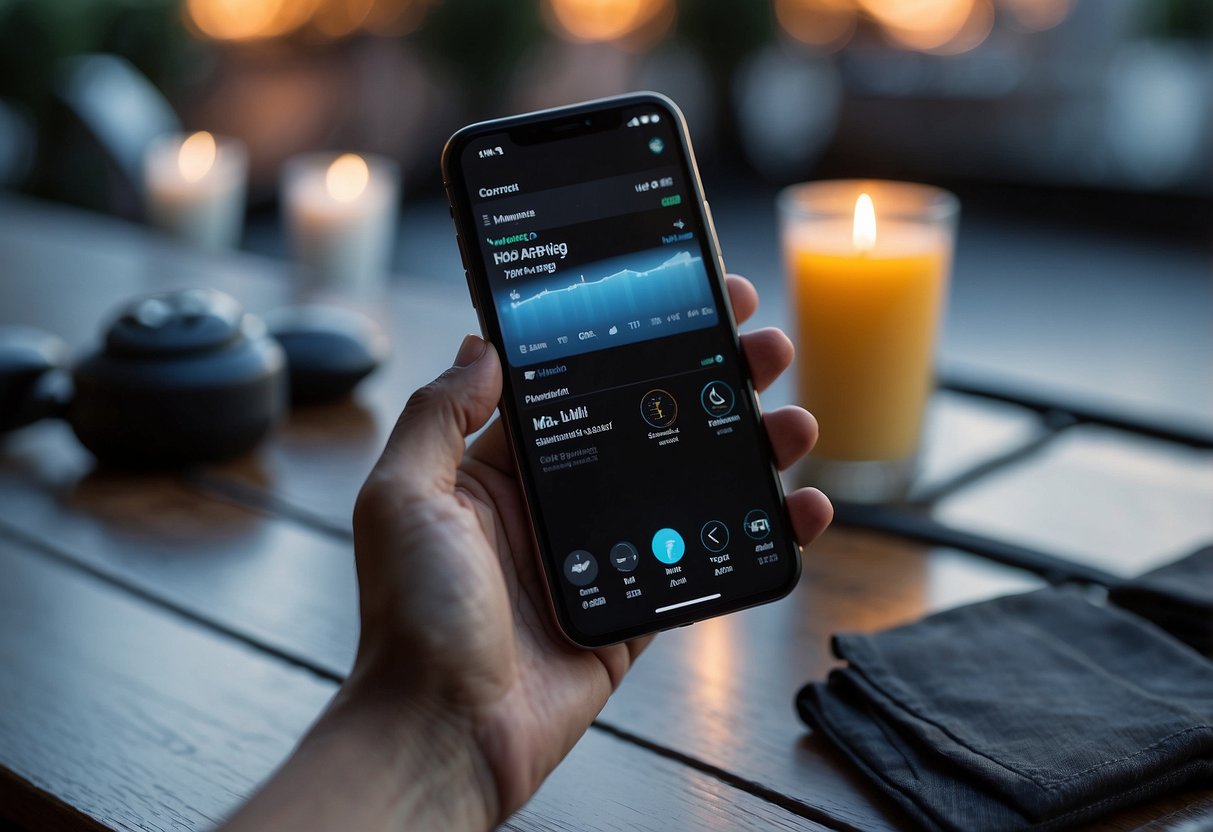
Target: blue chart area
[(607, 303)]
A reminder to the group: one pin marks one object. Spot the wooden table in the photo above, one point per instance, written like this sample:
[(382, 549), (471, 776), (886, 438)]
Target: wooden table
[(165, 640)]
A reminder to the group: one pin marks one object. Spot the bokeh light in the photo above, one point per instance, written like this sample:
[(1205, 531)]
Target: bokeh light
[(974, 32), (1038, 15), (826, 24), (339, 18), (606, 20), (197, 156), (921, 24), (246, 20), (347, 177)]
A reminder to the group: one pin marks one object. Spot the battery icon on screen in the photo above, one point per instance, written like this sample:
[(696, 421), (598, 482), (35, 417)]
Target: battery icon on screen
[(667, 201)]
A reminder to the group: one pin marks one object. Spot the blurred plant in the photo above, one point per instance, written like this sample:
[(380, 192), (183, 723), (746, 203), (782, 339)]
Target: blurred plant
[(481, 41), (36, 35), (1181, 19), (37, 39)]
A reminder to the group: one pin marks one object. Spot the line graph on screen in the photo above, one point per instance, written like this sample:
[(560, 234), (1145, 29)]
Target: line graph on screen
[(606, 303)]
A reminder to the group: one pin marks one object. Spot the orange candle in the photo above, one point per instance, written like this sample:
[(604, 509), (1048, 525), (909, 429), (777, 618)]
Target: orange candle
[(868, 266)]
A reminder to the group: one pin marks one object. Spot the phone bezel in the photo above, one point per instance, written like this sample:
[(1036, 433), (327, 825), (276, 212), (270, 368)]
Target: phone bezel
[(566, 122)]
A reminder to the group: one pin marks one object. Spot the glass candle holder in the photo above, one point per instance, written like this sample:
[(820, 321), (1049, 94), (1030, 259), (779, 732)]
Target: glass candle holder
[(341, 219), (868, 266), (194, 186)]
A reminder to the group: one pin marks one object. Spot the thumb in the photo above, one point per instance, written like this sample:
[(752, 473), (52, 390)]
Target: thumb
[(427, 444)]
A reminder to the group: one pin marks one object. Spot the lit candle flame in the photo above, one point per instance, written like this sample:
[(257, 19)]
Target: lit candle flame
[(347, 177), (863, 233), (197, 156)]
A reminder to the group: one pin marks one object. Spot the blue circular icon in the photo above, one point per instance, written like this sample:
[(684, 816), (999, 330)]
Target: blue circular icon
[(668, 546), (656, 144)]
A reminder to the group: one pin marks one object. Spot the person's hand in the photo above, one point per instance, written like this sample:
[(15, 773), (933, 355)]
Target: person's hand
[(462, 682)]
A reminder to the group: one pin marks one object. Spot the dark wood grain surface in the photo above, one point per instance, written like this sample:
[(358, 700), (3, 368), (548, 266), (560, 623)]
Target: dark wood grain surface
[(164, 640), (135, 720), (276, 583)]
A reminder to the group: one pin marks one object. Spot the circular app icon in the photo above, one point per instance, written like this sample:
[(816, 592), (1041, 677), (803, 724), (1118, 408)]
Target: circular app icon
[(624, 557), (717, 398), (580, 568), (659, 408), (668, 546), (757, 524), (714, 536)]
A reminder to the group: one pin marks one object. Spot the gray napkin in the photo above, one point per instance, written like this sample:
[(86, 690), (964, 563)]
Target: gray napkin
[(1032, 711)]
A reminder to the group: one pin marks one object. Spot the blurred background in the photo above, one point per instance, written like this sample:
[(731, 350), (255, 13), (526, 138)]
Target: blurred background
[(1078, 134)]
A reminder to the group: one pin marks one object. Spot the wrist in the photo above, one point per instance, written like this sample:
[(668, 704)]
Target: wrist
[(378, 760), (423, 761)]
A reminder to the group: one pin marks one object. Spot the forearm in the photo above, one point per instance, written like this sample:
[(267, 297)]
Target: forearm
[(376, 765)]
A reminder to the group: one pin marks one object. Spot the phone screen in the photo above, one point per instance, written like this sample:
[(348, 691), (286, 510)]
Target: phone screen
[(648, 475)]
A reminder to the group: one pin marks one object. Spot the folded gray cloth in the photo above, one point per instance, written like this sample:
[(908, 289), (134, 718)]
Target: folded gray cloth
[(1032, 711), (1177, 597)]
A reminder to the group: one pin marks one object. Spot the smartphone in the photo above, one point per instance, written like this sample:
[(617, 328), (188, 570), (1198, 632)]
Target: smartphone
[(594, 267)]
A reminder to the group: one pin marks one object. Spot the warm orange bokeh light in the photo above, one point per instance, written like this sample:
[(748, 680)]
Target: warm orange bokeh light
[(197, 156), (1038, 15), (243, 20), (347, 177), (604, 20), (338, 18), (974, 32), (920, 24), (248, 19), (824, 23)]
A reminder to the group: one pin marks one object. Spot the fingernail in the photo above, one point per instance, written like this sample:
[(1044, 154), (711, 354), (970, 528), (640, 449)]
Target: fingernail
[(470, 350)]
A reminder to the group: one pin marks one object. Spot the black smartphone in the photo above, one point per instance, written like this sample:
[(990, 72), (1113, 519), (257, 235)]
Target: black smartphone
[(593, 265)]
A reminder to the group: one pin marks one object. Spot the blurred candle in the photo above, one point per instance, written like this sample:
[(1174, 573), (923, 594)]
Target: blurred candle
[(868, 266), (341, 217), (194, 188)]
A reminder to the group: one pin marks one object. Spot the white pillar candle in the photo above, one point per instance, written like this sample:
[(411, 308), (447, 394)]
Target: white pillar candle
[(341, 217), (194, 188)]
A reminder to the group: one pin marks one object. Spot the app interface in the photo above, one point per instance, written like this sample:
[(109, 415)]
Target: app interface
[(656, 499)]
